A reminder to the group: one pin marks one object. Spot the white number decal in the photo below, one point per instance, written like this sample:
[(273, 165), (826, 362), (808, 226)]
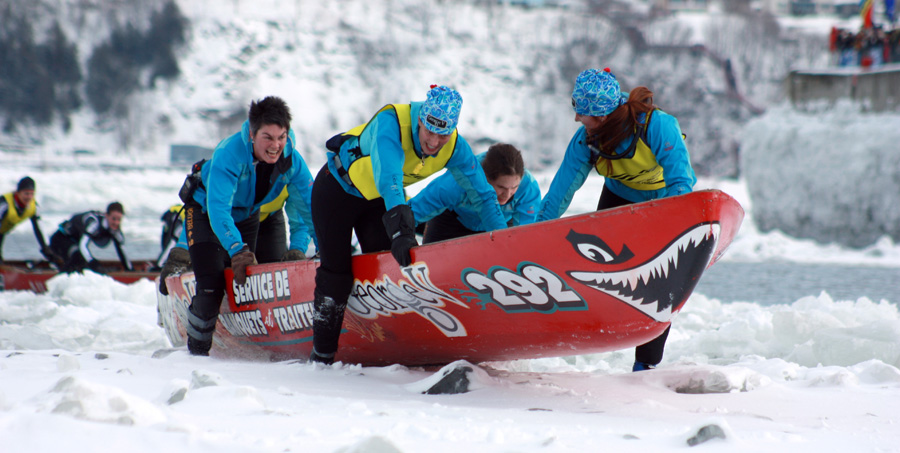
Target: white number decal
[(483, 284), (564, 297), (533, 288), (535, 296)]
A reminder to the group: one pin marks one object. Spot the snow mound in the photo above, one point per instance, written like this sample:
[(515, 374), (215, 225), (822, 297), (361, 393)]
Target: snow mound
[(457, 377), (709, 379), (374, 444), (90, 401)]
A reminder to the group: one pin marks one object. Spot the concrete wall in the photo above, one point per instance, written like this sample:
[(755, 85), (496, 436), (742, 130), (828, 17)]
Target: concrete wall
[(876, 90)]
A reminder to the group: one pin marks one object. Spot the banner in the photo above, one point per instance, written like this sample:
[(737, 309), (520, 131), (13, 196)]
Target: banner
[(865, 10)]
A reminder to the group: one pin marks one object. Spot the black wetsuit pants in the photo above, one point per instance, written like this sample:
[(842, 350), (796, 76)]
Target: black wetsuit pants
[(444, 226), (271, 243), (336, 215), (652, 351), (209, 260), (66, 247)]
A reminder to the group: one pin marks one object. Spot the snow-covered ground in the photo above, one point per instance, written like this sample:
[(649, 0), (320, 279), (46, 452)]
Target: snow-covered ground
[(79, 374)]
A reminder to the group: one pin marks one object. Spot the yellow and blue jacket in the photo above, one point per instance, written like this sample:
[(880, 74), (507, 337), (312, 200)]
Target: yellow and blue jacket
[(380, 158)]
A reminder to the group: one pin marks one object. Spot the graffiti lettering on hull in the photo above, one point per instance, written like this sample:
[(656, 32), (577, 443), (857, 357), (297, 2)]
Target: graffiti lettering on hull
[(415, 293)]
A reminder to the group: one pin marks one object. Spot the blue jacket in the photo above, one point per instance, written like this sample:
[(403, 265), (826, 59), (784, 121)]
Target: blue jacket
[(381, 141), (229, 189), (444, 193), (665, 140)]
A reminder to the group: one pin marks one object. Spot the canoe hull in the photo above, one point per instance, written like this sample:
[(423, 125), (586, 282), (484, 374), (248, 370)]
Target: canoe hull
[(583, 284)]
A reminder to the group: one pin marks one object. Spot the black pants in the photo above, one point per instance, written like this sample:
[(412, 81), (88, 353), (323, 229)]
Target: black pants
[(209, 259), (652, 351), (271, 243), (444, 226), (66, 248), (336, 215)]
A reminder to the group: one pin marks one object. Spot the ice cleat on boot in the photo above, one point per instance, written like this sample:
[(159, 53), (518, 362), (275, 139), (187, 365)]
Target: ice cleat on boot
[(317, 357), (199, 347)]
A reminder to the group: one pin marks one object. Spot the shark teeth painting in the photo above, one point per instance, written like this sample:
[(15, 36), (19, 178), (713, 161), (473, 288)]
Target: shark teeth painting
[(659, 286)]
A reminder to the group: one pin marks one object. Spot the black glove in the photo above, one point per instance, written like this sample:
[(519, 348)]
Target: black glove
[(95, 266), (293, 255), (239, 263), (401, 228)]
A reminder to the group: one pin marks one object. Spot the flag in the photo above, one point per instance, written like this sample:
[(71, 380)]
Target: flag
[(889, 10), (865, 10)]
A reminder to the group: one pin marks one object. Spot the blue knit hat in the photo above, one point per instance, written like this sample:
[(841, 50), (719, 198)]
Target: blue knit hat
[(596, 93), (440, 111)]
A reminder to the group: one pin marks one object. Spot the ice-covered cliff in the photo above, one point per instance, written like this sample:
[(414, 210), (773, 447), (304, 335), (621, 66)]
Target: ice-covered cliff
[(336, 62)]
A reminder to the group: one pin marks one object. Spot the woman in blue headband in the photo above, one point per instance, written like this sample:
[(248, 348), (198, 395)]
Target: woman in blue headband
[(638, 148)]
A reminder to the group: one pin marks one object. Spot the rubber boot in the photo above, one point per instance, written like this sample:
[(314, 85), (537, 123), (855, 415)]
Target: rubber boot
[(648, 355), (329, 316), (202, 316)]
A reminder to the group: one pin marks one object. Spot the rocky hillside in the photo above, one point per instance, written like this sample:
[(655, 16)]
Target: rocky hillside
[(336, 62)]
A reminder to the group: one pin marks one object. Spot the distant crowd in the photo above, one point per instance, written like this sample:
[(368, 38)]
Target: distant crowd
[(871, 46)]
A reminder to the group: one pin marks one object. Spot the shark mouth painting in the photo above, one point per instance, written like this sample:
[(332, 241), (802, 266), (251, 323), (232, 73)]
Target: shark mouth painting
[(659, 286)]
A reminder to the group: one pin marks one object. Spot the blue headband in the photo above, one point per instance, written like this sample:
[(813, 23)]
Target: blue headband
[(596, 93)]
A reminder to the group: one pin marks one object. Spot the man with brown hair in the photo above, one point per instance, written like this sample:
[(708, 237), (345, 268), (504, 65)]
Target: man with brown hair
[(74, 235)]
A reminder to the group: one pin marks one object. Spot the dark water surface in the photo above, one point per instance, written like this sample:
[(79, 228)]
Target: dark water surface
[(771, 283), (766, 282)]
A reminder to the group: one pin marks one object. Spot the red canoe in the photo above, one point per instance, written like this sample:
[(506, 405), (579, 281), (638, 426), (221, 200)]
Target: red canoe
[(33, 275), (583, 284)]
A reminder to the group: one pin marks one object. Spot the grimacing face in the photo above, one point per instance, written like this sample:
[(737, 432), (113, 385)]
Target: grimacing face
[(268, 143), (430, 142)]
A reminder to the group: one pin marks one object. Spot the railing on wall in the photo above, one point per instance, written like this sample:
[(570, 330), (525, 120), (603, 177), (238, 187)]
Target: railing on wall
[(874, 89)]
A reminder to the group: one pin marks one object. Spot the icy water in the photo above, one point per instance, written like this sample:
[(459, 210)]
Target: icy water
[(765, 283), (770, 283)]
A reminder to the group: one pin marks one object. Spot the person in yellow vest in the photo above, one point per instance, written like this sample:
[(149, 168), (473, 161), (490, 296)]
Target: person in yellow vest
[(361, 189), (173, 226), (19, 206), (639, 150)]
